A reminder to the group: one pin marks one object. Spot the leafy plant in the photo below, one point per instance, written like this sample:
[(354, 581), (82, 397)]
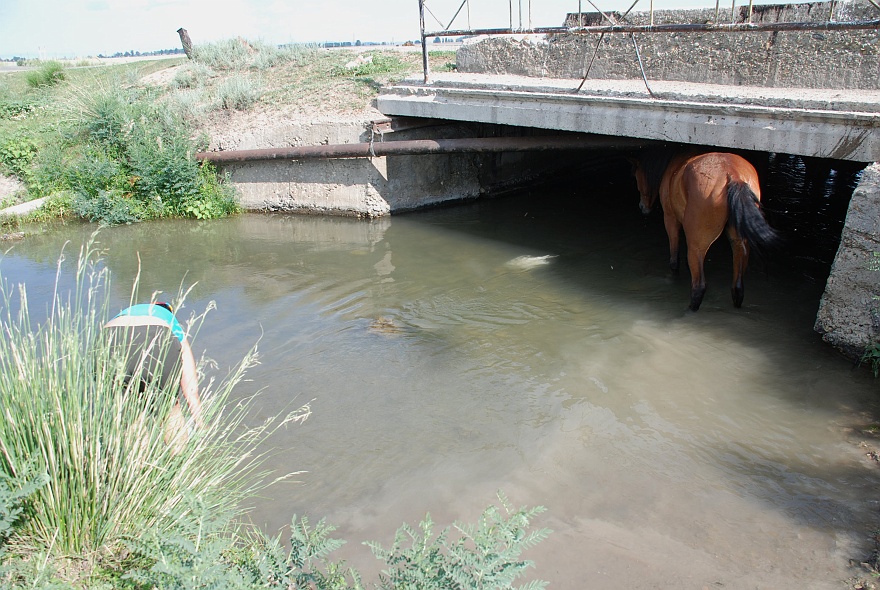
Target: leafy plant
[(14, 108), (483, 556), (306, 564), (17, 152), (872, 357), (190, 554), (205, 549), (13, 493)]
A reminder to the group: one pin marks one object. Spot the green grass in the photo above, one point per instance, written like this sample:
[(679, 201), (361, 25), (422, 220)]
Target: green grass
[(238, 92), (48, 73), (109, 473)]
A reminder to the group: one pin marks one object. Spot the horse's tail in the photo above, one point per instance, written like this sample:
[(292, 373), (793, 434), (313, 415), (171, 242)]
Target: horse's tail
[(746, 217)]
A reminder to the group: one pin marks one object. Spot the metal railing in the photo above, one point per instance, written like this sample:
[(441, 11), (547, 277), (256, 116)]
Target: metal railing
[(616, 23)]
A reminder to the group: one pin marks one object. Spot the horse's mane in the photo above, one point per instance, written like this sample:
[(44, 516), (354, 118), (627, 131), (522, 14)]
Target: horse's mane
[(654, 162)]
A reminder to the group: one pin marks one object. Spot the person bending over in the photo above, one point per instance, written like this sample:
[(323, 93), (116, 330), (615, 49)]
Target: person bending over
[(152, 355)]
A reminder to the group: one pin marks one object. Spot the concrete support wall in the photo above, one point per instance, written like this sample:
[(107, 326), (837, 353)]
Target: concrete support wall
[(377, 186), (849, 312), (808, 59)]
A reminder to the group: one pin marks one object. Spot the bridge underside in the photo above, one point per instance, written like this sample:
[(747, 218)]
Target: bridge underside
[(839, 124)]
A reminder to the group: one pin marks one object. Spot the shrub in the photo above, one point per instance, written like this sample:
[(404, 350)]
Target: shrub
[(14, 108), (49, 73), (14, 491), (135, 161), (484, 556), (189, 105), (238, 93), (207, 550), (192, 75), (241, 54)]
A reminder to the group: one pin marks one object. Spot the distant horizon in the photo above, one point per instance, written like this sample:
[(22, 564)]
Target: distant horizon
[(180, 51), (72, 29)]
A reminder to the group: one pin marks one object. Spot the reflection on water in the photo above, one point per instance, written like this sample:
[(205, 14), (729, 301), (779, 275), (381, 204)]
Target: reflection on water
[(536, 345)]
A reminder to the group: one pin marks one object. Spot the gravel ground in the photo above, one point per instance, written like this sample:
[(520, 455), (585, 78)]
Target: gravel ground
[(9, 186)]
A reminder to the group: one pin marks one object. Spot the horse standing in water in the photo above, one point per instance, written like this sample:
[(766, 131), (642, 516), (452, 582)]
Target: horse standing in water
[(703, 194)]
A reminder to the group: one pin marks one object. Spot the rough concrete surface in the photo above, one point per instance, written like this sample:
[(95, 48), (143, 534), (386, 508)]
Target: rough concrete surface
[(354, 187), (849, 312), (805, 59)]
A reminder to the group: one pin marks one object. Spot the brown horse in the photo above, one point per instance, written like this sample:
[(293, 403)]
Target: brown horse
[(704, 194)]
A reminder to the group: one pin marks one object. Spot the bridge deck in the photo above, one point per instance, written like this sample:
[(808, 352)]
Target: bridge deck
[(827, 123)]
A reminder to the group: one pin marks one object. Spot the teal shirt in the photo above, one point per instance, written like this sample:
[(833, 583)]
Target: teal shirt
[(156, 311)]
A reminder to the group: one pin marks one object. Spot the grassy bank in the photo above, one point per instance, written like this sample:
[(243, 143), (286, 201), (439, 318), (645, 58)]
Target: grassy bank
[(115, 144)]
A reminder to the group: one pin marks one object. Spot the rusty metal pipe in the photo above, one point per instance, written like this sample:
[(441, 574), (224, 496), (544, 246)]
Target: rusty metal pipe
[(418, 147)]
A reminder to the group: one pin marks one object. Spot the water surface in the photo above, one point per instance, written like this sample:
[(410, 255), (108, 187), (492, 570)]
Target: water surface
[(672, 449)]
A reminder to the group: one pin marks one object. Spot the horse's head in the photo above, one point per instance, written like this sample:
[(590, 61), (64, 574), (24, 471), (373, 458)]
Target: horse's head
[(647, 193)]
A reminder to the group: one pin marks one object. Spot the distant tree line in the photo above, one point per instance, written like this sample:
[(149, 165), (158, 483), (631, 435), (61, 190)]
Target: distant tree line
[(18, 59)]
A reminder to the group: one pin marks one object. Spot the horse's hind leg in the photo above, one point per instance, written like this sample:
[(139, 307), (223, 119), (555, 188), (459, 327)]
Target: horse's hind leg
[(673, 230), (696, 257), (740, 261)]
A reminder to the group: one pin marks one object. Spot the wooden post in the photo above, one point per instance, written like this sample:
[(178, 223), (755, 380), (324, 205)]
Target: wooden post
[(186, 42), (425, 66)]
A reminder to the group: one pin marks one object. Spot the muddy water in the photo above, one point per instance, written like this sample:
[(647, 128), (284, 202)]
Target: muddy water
[(671, 449)]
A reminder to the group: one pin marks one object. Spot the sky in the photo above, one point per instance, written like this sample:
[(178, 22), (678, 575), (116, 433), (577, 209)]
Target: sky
[(80, 28)]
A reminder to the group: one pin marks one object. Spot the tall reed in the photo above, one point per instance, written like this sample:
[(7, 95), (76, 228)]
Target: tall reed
[(65, 405)]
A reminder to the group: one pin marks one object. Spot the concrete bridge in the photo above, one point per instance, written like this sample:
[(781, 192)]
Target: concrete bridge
[(812, 92), (800, 79), (823, 123)]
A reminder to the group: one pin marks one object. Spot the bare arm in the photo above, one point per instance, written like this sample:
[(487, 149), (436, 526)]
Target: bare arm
[(189, 382)]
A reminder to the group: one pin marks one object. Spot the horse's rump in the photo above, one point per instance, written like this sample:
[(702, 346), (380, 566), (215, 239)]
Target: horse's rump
[(745, 215)]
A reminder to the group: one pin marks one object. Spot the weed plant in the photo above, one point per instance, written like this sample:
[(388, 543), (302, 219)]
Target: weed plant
[(49, 73), (240, 54), (207, 550), (379, 64), (871, 356), (192, 75), (132, 160), (238, 93)]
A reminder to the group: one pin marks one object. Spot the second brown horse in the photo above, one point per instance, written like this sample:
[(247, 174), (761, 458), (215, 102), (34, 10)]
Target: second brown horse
[(704, 194)]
